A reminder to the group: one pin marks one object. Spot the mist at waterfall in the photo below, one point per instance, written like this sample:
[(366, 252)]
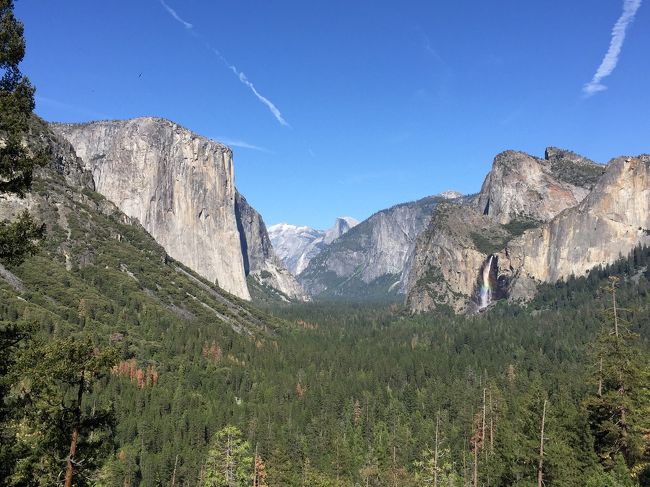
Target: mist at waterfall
[(485, 293)]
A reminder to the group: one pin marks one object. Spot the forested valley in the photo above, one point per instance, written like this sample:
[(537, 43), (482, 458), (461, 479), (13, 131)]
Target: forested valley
[(121, 367), (336, 394)]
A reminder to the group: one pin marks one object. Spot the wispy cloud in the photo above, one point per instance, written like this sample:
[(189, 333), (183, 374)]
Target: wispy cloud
[(60, 105), (242, 144), (173, 13), (610, 60), (240, 75)]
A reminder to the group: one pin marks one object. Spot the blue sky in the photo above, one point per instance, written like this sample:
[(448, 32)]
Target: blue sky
[(347, 107)]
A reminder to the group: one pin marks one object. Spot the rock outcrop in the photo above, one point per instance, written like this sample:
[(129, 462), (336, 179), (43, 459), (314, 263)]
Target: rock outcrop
[(371, 261), (541, 219), (85, 230), (448, 256), (297, 245), (178, 185), (607, 224), (260, 261), (526, 188)]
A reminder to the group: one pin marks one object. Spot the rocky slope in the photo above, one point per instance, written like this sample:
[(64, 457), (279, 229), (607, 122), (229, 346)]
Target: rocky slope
[(371, 261), (260, 260), (608, 223), (297, 245), (449, 256), (540, 219), (100, 268), (181, 187)]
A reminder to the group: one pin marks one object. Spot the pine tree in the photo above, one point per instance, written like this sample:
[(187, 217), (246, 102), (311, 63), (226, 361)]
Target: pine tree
[(56, 434), (17, 160), (618, 409), (229, 463)]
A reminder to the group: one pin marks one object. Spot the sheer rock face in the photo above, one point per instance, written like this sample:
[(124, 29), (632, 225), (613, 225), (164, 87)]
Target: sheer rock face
[(260, 260), (375, 254), (585, 215), (178, 185), (523, 187), (608, 223), (446, 256)]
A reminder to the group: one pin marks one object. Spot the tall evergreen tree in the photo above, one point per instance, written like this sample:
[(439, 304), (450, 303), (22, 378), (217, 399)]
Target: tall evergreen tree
[(230, 463), (17, 159), (57, 434)]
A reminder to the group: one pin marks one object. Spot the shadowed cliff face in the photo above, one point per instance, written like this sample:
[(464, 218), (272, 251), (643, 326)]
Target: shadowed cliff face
[(178, 185), (260, 259)]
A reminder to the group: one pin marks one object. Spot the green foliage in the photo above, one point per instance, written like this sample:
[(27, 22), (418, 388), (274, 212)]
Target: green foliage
[(519, 226), (487, 244), (16, 105), (229, 462), (48, 380), (19, 239)]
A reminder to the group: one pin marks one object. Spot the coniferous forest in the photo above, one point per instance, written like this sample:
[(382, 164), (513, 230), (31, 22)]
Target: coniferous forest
[(121, 367)]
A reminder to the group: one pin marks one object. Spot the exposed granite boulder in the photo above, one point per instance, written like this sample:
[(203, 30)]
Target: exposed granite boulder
[(180, 186)]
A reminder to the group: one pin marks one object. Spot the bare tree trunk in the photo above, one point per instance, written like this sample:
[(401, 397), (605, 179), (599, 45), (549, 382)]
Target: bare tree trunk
[(465, 482), (75, 434), (475, 464), (600, 378), (201, 474), (491, 424), (174, 472), (483, 427), (435, 454), (540, 467), (255, 467), (615, 310)]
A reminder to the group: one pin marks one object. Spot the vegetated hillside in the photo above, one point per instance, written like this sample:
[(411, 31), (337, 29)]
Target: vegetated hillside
[(348, 394), (341, 395)]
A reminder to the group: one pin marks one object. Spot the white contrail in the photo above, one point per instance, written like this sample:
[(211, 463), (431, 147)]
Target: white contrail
[(173, 13), (242, 144), (242, 77), (610, 60), (274, 110)]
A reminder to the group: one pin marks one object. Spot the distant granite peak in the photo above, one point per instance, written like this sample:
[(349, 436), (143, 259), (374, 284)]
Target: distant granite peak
[(450, 194), (297, 245)]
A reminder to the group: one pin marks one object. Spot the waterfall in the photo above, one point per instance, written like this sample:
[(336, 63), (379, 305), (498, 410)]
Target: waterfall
[(486, 288)]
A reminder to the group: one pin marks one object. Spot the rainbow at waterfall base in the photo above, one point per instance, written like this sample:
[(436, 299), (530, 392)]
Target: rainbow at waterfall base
[(486, 287)]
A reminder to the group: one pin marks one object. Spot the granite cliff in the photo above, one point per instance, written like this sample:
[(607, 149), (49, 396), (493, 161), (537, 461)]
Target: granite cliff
[(608, 223), (260, 260), (540, 219), (371, 260), (181, 188)]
